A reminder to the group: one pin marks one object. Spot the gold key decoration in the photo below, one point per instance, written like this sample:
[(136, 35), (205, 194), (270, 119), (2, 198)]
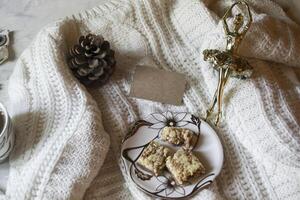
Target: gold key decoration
[(228, 62)]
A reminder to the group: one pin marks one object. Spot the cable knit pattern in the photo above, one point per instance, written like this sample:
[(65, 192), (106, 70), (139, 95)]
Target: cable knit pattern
[(61, 144)]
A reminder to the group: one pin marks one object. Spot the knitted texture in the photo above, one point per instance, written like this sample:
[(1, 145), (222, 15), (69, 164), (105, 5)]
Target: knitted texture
[(61, 144)]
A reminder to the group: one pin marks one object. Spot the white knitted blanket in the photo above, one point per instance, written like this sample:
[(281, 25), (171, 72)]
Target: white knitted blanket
[(63, 130)]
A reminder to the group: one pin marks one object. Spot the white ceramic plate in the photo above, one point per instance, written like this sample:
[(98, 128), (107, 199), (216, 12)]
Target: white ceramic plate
[(208, 148)]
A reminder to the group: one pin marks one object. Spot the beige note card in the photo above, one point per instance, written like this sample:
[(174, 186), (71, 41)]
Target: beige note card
[(158, 85)]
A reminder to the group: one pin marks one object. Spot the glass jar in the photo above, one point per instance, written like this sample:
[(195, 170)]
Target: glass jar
[(6, 134)]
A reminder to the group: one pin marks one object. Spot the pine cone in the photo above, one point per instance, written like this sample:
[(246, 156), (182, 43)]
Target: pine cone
[(92, 61)]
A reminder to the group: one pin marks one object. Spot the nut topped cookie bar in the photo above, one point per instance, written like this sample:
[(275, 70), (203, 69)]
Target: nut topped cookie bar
[(184, 165), (177, 136), (154, 157)]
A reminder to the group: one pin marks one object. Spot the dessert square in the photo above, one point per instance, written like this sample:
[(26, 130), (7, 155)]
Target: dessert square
[(184, 165), (177, 136), (154, 157)]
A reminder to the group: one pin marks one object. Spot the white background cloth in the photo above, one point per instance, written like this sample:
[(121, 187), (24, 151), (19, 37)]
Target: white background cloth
[(25, 18), (239, 134)]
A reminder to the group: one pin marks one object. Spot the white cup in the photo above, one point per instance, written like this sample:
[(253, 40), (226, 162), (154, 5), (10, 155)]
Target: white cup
[(6, 134)]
